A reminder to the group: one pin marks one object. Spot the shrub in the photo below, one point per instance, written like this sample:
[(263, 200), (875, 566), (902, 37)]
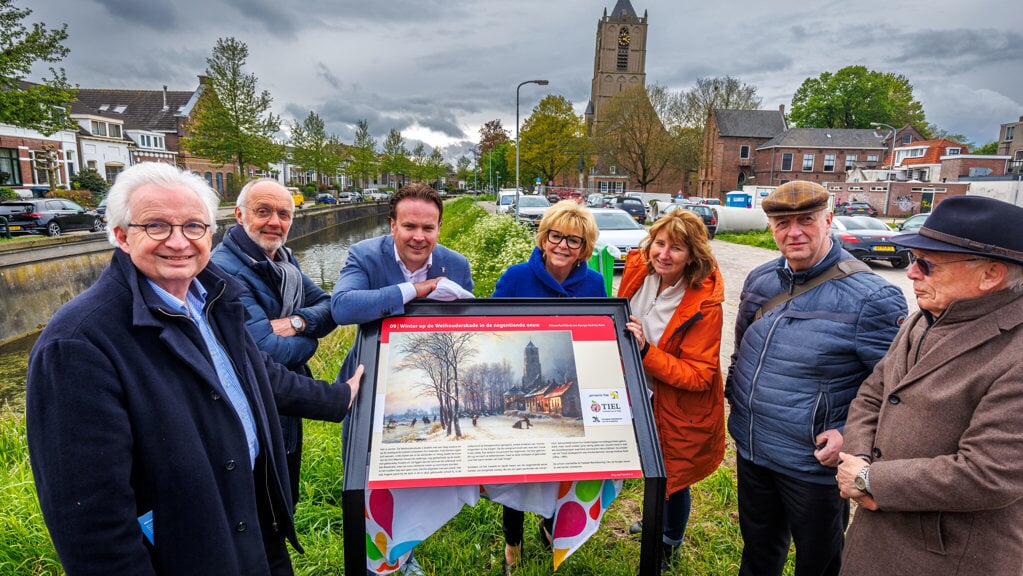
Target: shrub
[(91, 180), (83, 197), (7, 193), (491, 242)]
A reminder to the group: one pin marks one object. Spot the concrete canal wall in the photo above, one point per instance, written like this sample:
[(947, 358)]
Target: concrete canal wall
[(38, 276)]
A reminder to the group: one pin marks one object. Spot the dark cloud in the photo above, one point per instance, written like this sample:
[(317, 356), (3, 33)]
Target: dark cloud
[(322, 71), (277, 18), (153, 15)]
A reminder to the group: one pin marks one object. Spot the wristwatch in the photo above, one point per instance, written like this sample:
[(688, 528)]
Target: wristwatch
[(862, 480), (297, 323)]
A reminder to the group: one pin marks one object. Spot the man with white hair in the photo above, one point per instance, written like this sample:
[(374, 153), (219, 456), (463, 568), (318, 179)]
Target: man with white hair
[(288, 312), (152, 415)]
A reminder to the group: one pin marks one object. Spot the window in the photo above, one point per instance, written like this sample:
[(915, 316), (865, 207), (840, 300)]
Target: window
[(10, 168), (907, 138), (878, 188), (953, 151), (1010, 132), (209, 179), (829, 162), (145, 141), (850, 159), (115, 131), (786, 162), (623, 49), (158, 142), (40, 160), (744, 151), (871, 158), (611, 170), (220, 182), (112, 172), (807, 162), (856, 188), (99, 128), (91, 164)]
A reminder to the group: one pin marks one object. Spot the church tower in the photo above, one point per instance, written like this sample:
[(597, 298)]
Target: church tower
[(531, 373), (620, 59)]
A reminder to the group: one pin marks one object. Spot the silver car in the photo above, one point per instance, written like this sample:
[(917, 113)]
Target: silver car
[(619, 232)]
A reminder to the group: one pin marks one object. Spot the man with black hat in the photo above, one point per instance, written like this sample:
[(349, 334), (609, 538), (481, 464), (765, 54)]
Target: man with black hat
[(811, 326), (933, 451)]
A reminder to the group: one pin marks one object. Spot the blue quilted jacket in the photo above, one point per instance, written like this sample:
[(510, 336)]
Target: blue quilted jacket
[(795, 370)]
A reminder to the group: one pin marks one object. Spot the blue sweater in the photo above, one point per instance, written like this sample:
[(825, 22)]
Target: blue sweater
[(531, 280)]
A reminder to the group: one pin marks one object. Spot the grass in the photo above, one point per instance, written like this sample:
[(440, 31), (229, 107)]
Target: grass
[(760, 239), (471, 544)]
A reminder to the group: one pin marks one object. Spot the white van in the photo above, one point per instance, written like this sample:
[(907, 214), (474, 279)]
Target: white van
[(505, 199)]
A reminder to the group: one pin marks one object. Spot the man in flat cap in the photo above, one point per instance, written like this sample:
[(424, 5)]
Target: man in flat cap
[(811, 326), (934, 441)]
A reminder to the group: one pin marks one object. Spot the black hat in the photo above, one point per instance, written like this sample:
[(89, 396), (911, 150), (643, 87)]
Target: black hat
[(795, 197), (971, 225)]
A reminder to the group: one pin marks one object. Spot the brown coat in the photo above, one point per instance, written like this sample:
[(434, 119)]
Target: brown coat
[(942, 417), (689, 396)]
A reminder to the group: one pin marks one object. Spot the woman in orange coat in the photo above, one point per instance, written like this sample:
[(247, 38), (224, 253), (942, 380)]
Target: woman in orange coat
[(675, 291)]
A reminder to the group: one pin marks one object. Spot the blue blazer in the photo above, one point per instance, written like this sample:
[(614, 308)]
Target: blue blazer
[(367, 287)]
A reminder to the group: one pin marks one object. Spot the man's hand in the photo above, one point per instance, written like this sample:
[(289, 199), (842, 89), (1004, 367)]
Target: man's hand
[(426, 286), (353, 383), (282, 327), (829, 444), (847, 471)]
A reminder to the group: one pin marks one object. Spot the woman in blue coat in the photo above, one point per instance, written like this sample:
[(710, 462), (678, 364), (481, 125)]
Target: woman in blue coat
[(556, 269)]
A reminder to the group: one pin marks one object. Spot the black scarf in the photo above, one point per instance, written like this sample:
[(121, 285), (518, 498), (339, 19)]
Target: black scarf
[(281, 273)]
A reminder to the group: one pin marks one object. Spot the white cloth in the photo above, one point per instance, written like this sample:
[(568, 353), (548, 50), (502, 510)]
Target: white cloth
[(448, 290)]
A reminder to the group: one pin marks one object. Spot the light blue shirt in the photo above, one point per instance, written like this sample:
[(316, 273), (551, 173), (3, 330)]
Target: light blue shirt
[(196, 298)]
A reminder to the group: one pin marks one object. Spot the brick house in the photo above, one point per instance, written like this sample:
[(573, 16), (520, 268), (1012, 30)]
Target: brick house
[(21, 149), (816, 154), (730, 141), (1010, 143)]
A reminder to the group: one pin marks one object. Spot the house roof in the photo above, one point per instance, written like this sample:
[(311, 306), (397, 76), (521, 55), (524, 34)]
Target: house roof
[(825, 138), (558, 390), (935, 150), (749, 123), (138, 109)]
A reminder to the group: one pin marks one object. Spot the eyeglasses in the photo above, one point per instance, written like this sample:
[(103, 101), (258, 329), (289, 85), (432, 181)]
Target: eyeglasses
[(265, 212), (573, 242), (926, 266), (162, 230)]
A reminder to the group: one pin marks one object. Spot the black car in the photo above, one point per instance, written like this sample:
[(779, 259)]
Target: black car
[(49, 216), (868, 239), (634, 206), (709, 215), (855, 209)]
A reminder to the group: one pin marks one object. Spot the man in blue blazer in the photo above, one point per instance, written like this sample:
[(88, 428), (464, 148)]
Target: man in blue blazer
[(383, 274)]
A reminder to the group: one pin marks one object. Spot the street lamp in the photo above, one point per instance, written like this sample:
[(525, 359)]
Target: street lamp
[(891, 166), (521, 84)]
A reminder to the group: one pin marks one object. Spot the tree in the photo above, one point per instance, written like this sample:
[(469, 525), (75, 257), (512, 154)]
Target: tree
[(462, 170), (436, 167), (43, 107), (231, 122), (417, 163), (631, 134), (694, 106), (495, 163), (551, 139), (492, 134), (988, 149), (363, 163), (854, 97), (394, 159), (313, 149)]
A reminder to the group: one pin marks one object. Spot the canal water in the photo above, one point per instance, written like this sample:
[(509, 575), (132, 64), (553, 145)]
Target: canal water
[(320, 256)]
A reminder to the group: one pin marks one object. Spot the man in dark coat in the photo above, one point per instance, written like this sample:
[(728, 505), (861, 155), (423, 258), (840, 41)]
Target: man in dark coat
[(288, 312), (152, 415), (933, 451)]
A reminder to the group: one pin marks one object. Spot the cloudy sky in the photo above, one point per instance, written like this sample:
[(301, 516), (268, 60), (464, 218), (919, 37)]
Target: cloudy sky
[(437, 70)]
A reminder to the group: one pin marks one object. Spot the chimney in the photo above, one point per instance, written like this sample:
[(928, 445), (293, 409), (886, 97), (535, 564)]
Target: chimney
[(165, 97), (781, 108)]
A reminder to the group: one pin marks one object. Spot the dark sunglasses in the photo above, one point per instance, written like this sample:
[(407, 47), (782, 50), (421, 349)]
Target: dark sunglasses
[(926, 266)]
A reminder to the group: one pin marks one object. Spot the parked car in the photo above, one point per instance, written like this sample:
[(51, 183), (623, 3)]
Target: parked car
[(101, 209), (709, 215), (594, 199), (297, 196), (868, 238), (505, 198), (855, 209), (327, 198), (634, 206), (530, 209), (712, 201), (50, 216), (913, 223), (619, 231), (553, 197)]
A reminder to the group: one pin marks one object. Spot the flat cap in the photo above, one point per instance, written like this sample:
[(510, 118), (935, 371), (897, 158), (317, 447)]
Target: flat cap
[(795, 197)]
